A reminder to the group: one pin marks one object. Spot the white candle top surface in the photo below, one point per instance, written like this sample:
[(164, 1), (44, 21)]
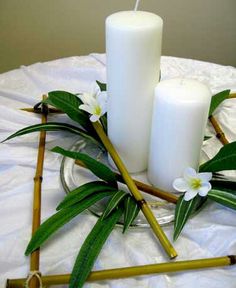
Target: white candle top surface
[(134, 20), (182, 90)]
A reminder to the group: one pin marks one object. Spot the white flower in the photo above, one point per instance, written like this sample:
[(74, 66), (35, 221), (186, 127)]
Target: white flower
[(95, 103), (193, 183)]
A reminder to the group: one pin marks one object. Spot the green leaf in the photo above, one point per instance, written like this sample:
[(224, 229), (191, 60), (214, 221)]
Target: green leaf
[(224, 185), (184, 209), (131, 212), (114, 202), (84, 191), (225, 198), (206, 138), (56, 221), (51, 126), (217, 99), (69, 103), (102, 86), (103, 120), (225, 159), (91, 248), (98, 168)]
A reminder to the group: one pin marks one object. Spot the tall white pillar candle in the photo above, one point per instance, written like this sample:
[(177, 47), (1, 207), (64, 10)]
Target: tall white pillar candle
[(133, 48), (179, 120)]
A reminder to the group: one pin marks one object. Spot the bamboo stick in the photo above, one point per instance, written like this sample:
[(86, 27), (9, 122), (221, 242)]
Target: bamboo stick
[(167, 246), (170, 197), (35, 256), (219, 132), (126, 272), (232, 95), (39, 111)]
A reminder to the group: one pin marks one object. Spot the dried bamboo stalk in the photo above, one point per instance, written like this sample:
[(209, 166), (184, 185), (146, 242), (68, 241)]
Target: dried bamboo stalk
[(219, 132), (39, 111), (170, 197), (126, 272), (232, 95), (35, 256), (167, 246)]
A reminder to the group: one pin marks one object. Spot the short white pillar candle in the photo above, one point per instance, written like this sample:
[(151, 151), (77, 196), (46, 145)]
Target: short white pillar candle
[(179, 120), (133, 48)]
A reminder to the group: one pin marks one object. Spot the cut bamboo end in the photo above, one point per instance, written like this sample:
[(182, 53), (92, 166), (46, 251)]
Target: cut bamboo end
[(126, 272), (167, 246)]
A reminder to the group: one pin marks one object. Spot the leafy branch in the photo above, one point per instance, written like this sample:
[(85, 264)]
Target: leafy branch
[(222, 192)]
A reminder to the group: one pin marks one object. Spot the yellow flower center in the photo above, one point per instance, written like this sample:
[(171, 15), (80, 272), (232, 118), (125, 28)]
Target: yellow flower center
[(97, 110), (195, 183)]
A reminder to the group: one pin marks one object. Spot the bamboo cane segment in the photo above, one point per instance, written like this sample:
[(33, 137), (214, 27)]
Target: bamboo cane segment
[(35, 256), (125, 272), (166, 245)]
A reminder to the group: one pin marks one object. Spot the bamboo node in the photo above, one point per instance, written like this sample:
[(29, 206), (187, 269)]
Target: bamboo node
[(220, 135), (41, 107), (232, 259), (141, 202), (32, 274), (38, 178)]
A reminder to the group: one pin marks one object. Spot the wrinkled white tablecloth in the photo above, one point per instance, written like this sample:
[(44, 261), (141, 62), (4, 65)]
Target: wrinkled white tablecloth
[(211, 233)]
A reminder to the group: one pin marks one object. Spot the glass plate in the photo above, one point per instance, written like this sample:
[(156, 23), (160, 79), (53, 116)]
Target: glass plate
[(73, 176)]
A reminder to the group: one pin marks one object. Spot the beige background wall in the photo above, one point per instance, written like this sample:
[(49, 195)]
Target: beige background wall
[(40, 30)]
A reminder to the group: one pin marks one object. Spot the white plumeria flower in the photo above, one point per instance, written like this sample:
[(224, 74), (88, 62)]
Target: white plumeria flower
[(95, 103), (193, 183)]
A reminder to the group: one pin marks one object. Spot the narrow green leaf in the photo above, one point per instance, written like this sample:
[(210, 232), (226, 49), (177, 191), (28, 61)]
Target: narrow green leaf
[(56, 221), (68, 103), (206, 138), (84, 191), (184, 209), (223, 197), (102, 86), (114, 202), (225, 159), (51, 126), (103, 120), (131, 212), (92, 247), (217, 99), (99, 169), (224, 185)]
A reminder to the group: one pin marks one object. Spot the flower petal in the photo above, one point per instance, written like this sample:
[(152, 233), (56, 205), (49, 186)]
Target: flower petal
[(94, 118), (88, 98), (205, 177), (180, 185), (190, 173), (102, 97), (85, 98), (86, 108), (204, 189), (190, 194), (102, 101)]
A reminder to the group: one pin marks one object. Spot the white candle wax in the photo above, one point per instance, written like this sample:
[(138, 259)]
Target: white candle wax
[(179, 120), (133, 47)]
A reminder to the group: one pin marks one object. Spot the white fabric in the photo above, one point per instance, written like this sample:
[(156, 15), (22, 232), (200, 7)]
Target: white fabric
[(211, 233)]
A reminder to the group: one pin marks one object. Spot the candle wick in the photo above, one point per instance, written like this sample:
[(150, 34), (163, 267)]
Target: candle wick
[(136, 5)]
